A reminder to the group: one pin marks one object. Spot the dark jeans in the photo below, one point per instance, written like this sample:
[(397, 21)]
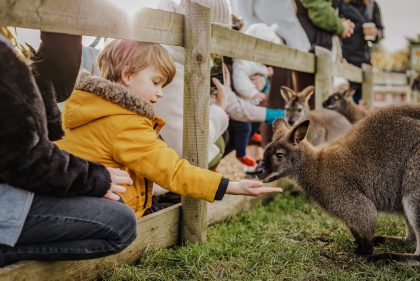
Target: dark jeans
[(241, 131), (72, 229)]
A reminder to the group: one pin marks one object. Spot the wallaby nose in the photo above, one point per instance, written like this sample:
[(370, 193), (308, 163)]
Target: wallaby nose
[(259, 170), (291, 122)]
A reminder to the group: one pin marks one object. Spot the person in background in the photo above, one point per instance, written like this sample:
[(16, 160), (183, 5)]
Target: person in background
[(369, 29), (281, 13), (321, 22), (54, 206), (242, 73)]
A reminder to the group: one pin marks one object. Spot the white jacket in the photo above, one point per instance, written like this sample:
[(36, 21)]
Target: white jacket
[(242, 70), (279, 12)]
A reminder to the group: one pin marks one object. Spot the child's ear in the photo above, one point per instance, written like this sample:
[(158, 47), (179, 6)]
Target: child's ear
[(125, 76)]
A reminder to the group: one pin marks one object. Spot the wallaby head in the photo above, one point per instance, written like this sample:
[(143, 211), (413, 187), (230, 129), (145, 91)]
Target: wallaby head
[(282, 157), (297, 107), (339, 101), (343, 103)]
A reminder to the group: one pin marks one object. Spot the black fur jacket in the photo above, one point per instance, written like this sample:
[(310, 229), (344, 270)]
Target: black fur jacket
[(30, 119)]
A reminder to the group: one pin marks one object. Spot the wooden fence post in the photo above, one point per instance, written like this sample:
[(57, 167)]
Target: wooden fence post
[(323, 75), (367, 86), (196, 113)]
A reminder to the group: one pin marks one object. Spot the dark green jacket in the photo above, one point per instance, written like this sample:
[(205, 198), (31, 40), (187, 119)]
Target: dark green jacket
[(319, 20), (323, 15)]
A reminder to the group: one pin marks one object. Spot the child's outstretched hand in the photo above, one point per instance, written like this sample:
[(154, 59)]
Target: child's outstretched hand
[(250, 188)]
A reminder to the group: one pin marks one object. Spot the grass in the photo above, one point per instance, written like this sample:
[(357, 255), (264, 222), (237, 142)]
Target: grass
[(287, 239)]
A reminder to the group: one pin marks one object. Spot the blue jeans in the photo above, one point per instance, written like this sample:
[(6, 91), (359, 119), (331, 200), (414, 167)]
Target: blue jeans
[(242, 132), (72, 229)]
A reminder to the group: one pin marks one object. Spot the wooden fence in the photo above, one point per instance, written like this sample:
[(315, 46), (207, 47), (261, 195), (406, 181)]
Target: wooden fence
[(186, 221)]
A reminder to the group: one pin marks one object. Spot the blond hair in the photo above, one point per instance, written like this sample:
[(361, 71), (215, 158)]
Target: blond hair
[(134, 56)]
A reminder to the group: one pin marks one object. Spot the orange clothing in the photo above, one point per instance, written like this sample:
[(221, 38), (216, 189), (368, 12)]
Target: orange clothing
[(105, 124)]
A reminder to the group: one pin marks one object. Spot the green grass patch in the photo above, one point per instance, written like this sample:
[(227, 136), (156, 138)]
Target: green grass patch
[(287, 239)]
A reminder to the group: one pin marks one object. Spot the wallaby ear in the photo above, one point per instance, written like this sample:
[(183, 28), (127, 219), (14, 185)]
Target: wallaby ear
[(306, 93), (279, 123), (349, 93), (286, 93), (299, 132)]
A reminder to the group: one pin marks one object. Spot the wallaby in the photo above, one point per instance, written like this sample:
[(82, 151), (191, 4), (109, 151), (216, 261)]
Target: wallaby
[(343, 103), (327, 125), (374, 168)]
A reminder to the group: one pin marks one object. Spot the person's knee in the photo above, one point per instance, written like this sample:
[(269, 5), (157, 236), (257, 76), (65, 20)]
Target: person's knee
[(126, 220)]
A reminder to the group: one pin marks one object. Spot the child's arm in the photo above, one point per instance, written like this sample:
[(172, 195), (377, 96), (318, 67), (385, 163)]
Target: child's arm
[(137, 148)]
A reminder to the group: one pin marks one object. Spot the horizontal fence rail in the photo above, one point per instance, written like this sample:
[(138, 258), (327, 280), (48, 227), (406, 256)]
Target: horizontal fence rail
[(388, 78), (96, 18), (238, 45)]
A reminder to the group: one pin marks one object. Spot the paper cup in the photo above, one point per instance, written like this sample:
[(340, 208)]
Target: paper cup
[(367, 27)]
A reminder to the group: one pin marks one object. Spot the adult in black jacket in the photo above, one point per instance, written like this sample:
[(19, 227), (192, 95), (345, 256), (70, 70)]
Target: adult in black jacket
[(356, 50), (52, 205)]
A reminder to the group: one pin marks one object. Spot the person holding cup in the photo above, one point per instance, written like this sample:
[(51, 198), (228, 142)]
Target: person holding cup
[(366, 16)]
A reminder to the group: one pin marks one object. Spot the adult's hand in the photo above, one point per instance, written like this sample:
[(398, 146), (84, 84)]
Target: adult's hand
[(222, 90), (221, 98), (117, 177), (348, 28)]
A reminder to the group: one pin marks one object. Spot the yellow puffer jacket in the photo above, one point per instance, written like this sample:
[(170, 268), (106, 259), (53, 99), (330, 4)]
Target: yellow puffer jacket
[(105, 124)]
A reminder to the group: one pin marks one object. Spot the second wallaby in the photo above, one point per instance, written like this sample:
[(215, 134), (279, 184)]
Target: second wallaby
[(374, 168), (327, 125), (343, 103)]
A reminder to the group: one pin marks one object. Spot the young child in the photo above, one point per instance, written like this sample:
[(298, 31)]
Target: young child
[(242, 74), (111, 121)]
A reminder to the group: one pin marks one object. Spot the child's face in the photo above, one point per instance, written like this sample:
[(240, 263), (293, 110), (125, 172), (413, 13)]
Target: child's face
[(147, 83)]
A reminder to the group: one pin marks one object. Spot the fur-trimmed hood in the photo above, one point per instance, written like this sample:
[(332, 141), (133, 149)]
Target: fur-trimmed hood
[(95, 97)]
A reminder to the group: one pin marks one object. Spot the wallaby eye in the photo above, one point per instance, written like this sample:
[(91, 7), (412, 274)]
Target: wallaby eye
[(279, 156), (299, 110)]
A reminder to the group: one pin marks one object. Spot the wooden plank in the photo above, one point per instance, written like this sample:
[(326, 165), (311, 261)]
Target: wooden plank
[(94, 17), (389, 78), (347, 71), (323, 76), (196, 113), (367, 86), (158, 230), (238, 45), (397, 90)]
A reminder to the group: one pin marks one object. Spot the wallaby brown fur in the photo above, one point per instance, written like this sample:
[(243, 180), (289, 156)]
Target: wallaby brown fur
[(326, 125), (343, 103), (374, 168)]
